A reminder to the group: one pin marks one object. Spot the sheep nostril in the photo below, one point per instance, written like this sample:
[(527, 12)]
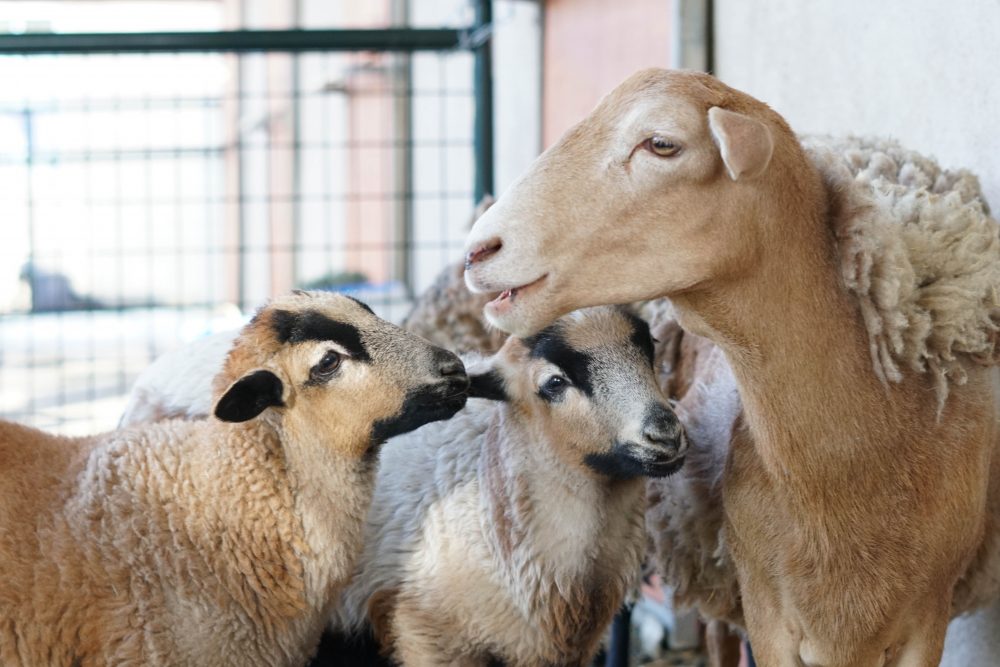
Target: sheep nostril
[(671, 439), (450, 366), (484, 251)]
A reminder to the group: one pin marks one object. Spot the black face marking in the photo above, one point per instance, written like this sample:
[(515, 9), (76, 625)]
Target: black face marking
[(489, 386), (361, 303), (549, 344), (249, 396), (428, 404), (292, 327), (640, 336), (620, 464)]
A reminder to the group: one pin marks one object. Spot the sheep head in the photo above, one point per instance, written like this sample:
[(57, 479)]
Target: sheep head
[(586, 385), (322, 366), (653, 194)]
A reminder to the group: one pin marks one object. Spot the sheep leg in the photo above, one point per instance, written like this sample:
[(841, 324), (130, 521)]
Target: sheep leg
[(722, 645), (773, 645), (419, 642), (925, 643)]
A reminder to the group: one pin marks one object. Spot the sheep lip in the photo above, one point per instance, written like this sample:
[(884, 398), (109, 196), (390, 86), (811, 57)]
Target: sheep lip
[(423, 406), (662, 468), (507, 298)]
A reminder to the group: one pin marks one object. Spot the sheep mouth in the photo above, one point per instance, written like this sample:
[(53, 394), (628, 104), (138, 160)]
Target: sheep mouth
[(423, 406), (506, 299), (622, 463), (662, 468)]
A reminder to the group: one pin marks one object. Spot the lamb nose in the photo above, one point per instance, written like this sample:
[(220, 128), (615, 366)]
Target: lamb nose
[(449, 365), (663, 429), (484, 251), (667, 438)]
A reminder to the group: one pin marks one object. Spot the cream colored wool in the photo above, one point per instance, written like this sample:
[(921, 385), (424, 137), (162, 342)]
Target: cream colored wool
[(209, 542), (919, 252)]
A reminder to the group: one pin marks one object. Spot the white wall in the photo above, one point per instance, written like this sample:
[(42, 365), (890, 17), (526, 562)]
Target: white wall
[(924, 71), (517, 88)]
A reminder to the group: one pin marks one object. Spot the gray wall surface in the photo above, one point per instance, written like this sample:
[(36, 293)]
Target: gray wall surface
[(926, 72)]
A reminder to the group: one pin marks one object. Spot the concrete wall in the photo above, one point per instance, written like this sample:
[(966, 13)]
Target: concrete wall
[(923, 71)]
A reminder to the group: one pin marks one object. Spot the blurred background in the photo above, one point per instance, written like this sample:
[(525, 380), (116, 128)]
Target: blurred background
[(158, 187), (166, 165)]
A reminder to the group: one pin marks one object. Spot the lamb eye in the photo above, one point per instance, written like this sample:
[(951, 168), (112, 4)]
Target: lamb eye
[(327, 366), (554, 387), (662, 146)]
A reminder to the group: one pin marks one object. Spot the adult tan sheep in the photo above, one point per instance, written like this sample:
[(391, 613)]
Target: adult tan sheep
[(858, 322), (222, 541)]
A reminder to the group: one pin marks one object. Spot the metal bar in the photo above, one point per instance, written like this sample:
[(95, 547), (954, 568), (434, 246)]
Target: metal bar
[(387, 39), (401, 80), (483, 91), (710, 37), (618, 642)]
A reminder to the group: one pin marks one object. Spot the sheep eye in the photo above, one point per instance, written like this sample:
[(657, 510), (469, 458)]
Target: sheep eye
[(327, 366), (662, 146), (554, 387)]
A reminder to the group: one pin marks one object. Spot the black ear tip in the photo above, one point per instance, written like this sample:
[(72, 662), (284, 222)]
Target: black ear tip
[(489, 385), (249, 396)]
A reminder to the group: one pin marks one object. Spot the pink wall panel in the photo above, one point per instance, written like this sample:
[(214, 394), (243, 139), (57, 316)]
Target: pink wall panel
[(590, 47)]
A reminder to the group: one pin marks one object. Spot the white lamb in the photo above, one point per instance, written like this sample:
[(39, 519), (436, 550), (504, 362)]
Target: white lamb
[(513, 532)]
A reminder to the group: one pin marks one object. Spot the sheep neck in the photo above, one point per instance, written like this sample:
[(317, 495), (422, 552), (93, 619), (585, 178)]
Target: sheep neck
[(292, 515), (799, 352), (331, 495), (543, 509)]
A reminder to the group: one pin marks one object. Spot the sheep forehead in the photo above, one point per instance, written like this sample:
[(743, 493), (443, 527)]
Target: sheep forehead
[(682, 83), (336, 306), (595, 346), (299, 317), (317, 316), (672, 100), (600, 329), (666, 90)]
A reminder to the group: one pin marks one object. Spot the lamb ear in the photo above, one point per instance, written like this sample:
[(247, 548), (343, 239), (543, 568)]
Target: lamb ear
[(249, 396), (489, 385), (746, 143)]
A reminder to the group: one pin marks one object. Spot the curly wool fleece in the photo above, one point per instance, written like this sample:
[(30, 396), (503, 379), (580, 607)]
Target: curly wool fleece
[(921, 254)]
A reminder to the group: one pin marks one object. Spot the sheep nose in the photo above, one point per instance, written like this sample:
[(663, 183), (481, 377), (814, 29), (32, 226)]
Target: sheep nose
[(484, 251), (664, 430), (671, 441), (449, 365)]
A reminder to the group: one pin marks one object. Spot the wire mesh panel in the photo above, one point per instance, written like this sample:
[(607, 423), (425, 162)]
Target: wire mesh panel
[(151, 198)]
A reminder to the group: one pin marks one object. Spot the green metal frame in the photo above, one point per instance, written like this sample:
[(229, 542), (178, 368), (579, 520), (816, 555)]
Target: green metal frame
[(481, 42), (388, 39), (476, 38)]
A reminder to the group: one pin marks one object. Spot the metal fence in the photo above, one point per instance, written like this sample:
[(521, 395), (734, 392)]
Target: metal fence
[(157, 187)]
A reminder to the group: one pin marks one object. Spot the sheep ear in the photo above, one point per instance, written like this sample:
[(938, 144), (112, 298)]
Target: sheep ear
[(746, 143), (249, 396), (489, 385)]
